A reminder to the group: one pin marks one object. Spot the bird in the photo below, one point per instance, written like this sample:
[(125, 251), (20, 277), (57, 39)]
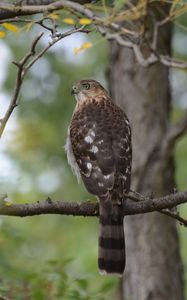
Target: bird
[(99, 152)]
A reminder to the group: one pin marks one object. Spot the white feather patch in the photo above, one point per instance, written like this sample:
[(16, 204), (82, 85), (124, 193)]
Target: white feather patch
[(89, 166), (88, 139), (107, 176), (94, 149), (92, 133), (71, 158)]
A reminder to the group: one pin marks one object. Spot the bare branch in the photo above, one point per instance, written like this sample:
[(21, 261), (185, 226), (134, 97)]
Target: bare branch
[(172, 63), (175, 215), (129, 44), (173, 134), (91, 208), (19, 79), (177, 130), (45, 2), (9, 10), (25, 64), (57, 38), (168, 212)]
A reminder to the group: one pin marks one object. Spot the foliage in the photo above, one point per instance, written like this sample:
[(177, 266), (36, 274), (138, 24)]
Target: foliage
[(54, 280)]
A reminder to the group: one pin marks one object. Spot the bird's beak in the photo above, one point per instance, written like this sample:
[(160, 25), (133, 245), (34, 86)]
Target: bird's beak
[(74, 91)]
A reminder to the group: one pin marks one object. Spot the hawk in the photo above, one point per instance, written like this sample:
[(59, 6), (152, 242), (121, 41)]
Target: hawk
[(99, 151)]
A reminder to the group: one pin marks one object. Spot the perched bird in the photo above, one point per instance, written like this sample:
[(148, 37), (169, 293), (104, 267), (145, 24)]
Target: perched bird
[(99, 151)]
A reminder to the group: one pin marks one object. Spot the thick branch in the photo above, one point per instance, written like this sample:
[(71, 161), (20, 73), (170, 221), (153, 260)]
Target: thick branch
[(9, 10), (89, 208)]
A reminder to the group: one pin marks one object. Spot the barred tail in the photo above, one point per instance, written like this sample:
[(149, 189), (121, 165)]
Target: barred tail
[(111, 241)]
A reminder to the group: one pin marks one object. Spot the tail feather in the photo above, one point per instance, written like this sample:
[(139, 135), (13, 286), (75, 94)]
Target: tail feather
[(111, 241)]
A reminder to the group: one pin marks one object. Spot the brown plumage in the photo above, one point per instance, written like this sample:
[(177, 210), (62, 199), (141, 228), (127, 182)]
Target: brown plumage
[(99, 150)]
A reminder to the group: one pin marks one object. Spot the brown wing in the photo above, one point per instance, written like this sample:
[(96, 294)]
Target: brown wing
[(100, 137), (123, 155)]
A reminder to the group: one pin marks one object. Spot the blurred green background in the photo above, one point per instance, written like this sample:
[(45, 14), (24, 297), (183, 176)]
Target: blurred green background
[(55, 257)]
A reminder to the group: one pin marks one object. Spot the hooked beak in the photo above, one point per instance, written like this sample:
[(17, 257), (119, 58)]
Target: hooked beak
[(74, 91)]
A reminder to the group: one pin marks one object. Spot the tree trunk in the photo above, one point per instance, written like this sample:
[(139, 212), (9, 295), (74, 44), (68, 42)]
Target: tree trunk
[(154, 268)]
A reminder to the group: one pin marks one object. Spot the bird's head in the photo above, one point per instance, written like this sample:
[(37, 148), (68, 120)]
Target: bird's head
[(86, 89)]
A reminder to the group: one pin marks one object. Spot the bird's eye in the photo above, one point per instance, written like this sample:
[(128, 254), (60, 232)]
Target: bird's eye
[(86, 86)]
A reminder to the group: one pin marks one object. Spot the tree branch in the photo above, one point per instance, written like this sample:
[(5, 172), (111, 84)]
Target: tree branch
[(175, 215), (109, 29), (26, 63), (173, 134), (9, 10), (177, 130), (171, 212), (19, 79), (90, 208)]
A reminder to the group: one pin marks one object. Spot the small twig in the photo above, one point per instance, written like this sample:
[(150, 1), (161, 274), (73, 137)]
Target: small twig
[(40, 22), (173, 134), (51, 29), (56, 39), (177, 130), (175, 215), (172, 62), (129, 44)]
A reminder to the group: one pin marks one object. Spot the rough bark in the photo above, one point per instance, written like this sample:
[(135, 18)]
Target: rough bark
[(154, 268)]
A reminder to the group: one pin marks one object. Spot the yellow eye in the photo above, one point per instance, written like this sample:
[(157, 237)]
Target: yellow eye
[(86, 86)]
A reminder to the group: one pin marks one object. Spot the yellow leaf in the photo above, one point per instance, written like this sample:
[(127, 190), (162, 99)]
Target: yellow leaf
[(53, 16), (69, 21), (8, 202), (85, 21), (84, 46), (2, 34), (10, 27)]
